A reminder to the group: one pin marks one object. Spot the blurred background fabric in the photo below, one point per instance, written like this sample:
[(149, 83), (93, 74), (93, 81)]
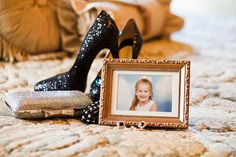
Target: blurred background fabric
[(53, 27), (153, 17), (28, 27)]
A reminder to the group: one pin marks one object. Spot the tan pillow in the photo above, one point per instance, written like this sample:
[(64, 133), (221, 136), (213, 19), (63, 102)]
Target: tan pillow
[(30, 26)]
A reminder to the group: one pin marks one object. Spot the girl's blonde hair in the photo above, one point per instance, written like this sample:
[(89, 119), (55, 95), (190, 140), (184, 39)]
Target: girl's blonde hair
[(135, 99)]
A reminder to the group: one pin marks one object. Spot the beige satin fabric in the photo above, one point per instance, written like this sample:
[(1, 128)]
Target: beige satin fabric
[(30, 25), (153, 17)]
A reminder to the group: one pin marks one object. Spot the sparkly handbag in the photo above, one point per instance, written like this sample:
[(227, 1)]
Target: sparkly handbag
[(47, 104)]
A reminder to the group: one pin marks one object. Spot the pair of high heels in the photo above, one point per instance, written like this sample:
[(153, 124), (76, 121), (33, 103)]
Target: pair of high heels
[(102, 34)]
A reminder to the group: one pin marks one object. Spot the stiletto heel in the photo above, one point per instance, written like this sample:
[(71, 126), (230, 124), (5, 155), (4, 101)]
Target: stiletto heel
[(102, 34), (130, 36)]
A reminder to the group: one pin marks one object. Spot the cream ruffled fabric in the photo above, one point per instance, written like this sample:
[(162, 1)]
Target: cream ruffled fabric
[(28, 27), (153, 17)]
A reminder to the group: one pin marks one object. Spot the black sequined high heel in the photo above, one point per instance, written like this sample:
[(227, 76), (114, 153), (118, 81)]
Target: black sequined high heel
[(129, 36), (102, 34)]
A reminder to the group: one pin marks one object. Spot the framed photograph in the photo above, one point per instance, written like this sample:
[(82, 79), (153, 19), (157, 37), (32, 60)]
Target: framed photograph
[(153, 92)]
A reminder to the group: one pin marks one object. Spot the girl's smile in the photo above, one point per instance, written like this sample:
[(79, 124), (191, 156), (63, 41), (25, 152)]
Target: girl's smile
[(142, 100), (143, 93)]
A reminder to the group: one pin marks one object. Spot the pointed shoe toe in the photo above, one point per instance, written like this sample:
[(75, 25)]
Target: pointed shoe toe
[(58, 82)]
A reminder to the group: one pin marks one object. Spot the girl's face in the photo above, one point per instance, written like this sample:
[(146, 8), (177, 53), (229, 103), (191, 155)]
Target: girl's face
[(143, 93)]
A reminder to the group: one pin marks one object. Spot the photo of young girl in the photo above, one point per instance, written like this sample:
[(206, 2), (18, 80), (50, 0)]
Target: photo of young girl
[(144, 93), (142, 100)]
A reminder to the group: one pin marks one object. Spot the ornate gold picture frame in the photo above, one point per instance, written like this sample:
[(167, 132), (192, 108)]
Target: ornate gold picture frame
[(152, 92)]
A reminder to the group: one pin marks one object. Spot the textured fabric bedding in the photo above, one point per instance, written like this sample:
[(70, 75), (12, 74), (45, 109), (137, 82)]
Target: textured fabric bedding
[(212, 125)]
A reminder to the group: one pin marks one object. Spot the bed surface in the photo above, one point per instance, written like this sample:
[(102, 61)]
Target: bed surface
[(212, 123)]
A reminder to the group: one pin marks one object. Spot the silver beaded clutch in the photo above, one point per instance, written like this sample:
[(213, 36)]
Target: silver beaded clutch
[(46, 104)]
